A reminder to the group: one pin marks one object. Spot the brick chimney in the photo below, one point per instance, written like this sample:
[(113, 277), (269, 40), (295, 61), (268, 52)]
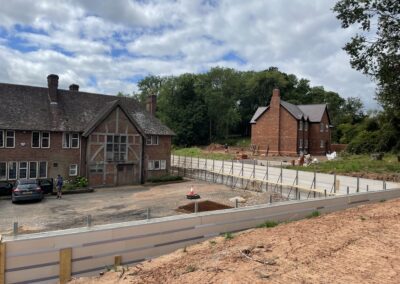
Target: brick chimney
[(151, 104), (275, 109), (74, 87), (52, 83)]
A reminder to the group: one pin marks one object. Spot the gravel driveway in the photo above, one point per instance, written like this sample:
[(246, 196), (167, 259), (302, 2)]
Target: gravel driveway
[(108, 205)]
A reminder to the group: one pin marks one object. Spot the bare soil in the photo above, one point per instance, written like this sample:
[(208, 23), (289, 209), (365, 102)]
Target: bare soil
[(358, 245)]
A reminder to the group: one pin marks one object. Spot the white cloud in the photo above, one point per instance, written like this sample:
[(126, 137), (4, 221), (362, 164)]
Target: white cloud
[(115, 41)]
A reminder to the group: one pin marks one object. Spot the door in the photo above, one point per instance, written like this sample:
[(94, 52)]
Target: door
[(125, 174)]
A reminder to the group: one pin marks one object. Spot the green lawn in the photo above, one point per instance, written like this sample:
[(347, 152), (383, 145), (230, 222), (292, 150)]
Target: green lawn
[(197, 152), (356, 163)]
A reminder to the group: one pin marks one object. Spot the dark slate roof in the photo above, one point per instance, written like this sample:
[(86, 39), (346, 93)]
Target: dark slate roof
[(312, 112), (28, 108), (293, 109), (258, 113)]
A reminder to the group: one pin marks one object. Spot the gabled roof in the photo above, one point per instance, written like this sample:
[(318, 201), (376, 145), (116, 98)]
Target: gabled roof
[(28, 108), (312, 112), (258, 113)]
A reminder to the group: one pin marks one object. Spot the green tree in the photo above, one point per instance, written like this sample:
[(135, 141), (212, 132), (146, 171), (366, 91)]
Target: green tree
[(375, 50)]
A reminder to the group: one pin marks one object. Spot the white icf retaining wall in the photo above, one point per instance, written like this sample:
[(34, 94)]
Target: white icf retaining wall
[(35, 258)]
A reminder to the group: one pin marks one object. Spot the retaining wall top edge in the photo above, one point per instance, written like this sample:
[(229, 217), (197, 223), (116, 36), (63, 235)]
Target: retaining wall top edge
[(113, 226)]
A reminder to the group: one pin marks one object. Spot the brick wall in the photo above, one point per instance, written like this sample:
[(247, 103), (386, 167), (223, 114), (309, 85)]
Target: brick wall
[(288, 134), (58, 159), (162, 151), (316, 136)]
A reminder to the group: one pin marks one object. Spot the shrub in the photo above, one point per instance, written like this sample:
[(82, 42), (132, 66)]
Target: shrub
[(164, 179), (314, 214), (228, 236), (268, 224), (81, 181)]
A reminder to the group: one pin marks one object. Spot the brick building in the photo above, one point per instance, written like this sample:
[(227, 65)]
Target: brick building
[(110, 140), (283, 128)]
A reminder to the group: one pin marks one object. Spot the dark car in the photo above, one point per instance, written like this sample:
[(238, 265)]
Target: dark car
[(5, 188), (26, 189), (46, 185)]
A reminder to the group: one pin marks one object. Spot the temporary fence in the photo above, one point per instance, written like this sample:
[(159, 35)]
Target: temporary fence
[(261, 176), (57, 256)]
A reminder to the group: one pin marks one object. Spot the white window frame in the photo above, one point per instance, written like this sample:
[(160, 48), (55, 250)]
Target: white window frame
[(39, 165), (322, 144), (5, 168), (68, 138), (8, 170), (152, 140), (13, 137), (321, 127), (42, 139), (301, 125), (73, 170), (36, 169), (39, 139), (2, 141), (26, 168), (300, 143), (162, 165)]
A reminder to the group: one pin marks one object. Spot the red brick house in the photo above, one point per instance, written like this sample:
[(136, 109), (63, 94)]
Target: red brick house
[(110, 140), (283, 128)]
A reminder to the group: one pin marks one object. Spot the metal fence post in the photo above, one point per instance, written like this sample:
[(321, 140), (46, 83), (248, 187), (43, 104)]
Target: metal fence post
[(236, 203), (348, 190), (148, 214), (15, 229), (89, 220), (358, 184), (223, 172), (367, 187), (334, 183), (242, 173), (270, 198), (196, 207), (179, 163)]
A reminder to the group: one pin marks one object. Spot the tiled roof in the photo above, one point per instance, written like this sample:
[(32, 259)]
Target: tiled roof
[(28, 108), (313, 112)]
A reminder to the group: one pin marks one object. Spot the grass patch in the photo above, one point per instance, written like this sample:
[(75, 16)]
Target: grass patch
[(213, 243), (314, 214), (268, 224), (197, 152), (164, 179), (354, 164), (191, 268), (228, 236), (236, 142)]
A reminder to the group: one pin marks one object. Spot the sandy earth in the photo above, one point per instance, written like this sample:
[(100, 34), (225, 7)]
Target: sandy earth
[(358, 245)]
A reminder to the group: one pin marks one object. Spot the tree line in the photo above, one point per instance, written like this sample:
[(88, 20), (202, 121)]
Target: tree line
[(219, 104)]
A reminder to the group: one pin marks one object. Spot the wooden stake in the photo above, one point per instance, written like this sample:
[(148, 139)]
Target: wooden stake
[(117, 260), (2, 261), (65, 265)]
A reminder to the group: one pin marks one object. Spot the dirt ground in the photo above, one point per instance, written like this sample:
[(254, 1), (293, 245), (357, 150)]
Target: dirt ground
[(358, 245), (118, 204)]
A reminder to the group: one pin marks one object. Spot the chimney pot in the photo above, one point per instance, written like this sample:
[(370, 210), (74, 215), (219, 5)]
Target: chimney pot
[(276, 92), (74, 87), (52, 83)]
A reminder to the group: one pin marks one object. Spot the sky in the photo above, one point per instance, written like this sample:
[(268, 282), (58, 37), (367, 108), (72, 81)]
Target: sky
[(107, 46)]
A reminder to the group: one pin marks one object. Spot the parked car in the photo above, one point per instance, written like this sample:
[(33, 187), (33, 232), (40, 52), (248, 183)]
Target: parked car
[(46, 185), (5, 188), (26, 189)]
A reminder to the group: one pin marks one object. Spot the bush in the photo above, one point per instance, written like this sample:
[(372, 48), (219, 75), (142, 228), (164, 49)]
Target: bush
[(268, 224), (81, 181), (164, 179)]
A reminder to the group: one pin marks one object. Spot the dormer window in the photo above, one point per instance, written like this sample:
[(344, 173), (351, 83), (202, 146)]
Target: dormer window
[(152, 140), (70, 140), (40, 139)]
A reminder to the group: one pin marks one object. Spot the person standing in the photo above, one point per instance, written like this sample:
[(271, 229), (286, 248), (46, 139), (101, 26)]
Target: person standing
[(59, 185)]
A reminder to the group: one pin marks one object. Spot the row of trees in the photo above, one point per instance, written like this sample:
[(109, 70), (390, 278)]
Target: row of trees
[(209, 107)]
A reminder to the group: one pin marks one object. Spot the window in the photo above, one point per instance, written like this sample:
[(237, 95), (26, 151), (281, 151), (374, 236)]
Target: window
[(73, 170), (301, 125), (70, 140), (300, 143), (152, 140), (322, 144), (23, 170), (116, 149), (157, 165), (326, 127), (306, 126), (42, 169), (96, 168), (35, 139), (40, 139), (306, 143), (3, 170), (33, 170), (1, 138), (10, 139), (12, 170), (321, 127), (45, 139)]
